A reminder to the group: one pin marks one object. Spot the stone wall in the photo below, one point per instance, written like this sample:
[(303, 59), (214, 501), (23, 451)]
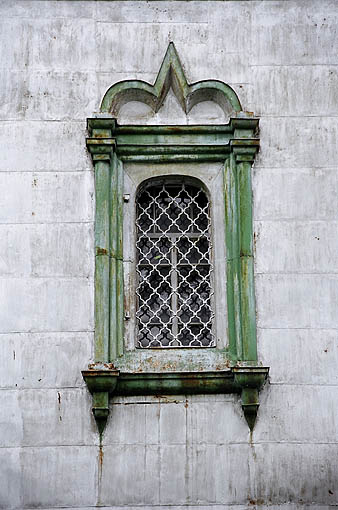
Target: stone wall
[(58, 58)]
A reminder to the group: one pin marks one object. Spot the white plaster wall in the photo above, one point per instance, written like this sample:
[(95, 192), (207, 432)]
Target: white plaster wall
[(57, 60)]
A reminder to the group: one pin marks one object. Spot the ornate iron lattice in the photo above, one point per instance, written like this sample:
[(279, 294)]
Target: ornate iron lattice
[(174, 266)]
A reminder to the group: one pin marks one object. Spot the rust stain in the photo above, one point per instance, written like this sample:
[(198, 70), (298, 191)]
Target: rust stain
[(159, 365), (255, 502), (95, 366), (252, 446), (139, 370), (163, 399), (125, 302), (100, 467), (101, 454), (222, 366), (101, 251)]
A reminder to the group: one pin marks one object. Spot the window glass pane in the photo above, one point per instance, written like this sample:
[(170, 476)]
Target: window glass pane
[(174, 268)]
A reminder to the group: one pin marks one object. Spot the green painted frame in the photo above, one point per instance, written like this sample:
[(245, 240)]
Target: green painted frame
[(180, 371)]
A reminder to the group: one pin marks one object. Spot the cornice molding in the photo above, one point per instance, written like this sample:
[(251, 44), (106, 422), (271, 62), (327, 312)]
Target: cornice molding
[(174, 143)]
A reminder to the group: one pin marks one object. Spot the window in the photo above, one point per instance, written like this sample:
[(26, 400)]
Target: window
[(172, 259), (174, 274), (174, 266)]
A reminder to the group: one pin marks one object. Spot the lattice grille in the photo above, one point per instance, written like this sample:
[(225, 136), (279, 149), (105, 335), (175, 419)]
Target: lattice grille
[(174, 266)]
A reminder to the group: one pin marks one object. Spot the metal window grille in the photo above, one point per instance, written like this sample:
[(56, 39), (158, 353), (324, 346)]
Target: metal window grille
[(174, 266)]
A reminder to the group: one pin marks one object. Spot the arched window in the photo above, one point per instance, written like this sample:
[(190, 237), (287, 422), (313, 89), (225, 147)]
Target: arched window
[(164, 292), (174, 265)]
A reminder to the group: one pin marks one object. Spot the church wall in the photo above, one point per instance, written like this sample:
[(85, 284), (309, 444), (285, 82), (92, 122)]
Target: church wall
[(58, 59)]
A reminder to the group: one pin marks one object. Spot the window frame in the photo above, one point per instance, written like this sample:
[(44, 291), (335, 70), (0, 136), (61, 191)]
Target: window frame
[(115, 370)]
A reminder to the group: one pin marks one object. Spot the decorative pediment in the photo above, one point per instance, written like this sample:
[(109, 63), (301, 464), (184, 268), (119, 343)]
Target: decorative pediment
[(170, 75)]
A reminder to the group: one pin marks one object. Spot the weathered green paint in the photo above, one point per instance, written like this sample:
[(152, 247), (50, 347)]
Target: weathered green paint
[(101, 381), (171, 74), (101, 352), (102, 218), (185, 131), (236, 380), (150, 150), (250, 381), (246, 381), (175, 383), (113, 261), (101, 384), (116, 259), (102, 213), (101, 411), (245, 209), (174, 158), (240, 270), (232, 234), (119, 263), (180, 138), (230, 289), (248, 308)]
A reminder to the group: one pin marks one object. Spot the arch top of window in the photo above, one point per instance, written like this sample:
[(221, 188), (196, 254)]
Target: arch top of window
[(115, 148), (174, 179)]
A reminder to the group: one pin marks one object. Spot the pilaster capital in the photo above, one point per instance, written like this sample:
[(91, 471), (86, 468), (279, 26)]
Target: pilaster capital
[(101, 149), (101, 143), (244, 149)]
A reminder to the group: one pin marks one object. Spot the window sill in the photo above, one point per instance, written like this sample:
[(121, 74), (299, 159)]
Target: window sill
[(246, 380)]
